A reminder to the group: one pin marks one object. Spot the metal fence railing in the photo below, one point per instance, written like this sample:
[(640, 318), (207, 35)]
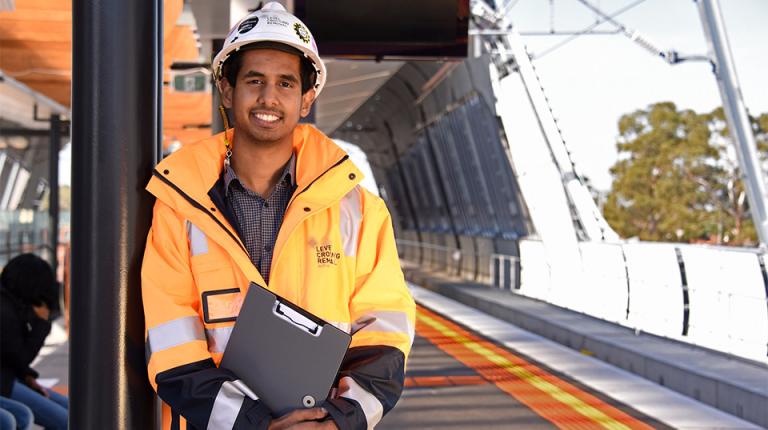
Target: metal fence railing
[(13, 243), (500, 270), (24, 231), (714, 297)]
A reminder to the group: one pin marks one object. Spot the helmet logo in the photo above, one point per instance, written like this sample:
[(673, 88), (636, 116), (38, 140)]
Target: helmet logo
[(275, 20), (302, 32), (248, 25)]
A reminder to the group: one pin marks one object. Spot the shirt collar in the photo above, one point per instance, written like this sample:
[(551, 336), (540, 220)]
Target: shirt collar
[(289, 174)]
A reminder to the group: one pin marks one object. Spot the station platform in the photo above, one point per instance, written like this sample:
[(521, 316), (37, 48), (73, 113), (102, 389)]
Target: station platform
[(460, 378), (679, 385), (471, 368)]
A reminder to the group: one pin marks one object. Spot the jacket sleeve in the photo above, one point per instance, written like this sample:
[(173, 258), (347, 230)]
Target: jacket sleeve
[(21, 341), (180, 368), (373, 371)]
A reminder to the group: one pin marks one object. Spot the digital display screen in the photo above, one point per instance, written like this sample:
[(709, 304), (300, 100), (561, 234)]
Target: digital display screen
[(387, 28)]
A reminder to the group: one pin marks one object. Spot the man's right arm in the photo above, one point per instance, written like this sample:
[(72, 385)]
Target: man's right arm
[(180, 367), (18, 350)]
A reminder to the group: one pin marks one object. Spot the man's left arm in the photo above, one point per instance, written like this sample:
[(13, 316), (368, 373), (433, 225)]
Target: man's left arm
[(373, 371)]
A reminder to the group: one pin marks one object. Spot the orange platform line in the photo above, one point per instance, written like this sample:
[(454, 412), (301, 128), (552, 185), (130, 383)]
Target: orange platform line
[(443, 381), (554, 399)]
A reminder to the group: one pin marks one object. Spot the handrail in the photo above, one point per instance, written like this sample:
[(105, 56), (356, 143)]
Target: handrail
[(503, 269)]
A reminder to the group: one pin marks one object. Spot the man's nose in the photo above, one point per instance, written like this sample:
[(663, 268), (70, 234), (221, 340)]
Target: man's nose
[(268, 95)]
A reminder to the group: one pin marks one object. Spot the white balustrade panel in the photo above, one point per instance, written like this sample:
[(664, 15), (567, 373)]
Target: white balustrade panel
[(655, 289), (535, 280), (604, 284), (728, 309)]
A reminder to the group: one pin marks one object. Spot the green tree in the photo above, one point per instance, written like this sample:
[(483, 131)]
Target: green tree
[(677, 178), (734, 225)]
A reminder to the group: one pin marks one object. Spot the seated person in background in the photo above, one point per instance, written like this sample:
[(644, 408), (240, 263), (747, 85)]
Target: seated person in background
[(28, 297), (14, 415)]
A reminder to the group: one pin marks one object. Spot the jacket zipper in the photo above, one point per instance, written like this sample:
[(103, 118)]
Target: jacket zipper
[(275, 258), (197, 205)]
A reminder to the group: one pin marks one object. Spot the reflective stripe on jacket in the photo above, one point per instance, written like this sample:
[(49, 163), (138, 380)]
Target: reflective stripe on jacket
[(334, 255)]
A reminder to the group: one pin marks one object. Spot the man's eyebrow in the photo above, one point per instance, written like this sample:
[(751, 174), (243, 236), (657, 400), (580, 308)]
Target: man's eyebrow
[(255, 74), (289, 78)]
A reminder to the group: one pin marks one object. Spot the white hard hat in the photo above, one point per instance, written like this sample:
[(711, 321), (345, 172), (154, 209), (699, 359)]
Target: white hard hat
[(272, 23)]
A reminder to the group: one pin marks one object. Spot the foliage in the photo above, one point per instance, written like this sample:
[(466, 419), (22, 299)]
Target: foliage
[(677, 178)]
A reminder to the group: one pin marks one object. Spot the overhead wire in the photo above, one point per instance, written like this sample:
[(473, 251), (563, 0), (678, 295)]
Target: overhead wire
[(632, 34), (587, 29)]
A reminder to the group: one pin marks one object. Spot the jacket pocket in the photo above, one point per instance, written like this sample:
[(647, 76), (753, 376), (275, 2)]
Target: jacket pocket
[(221, 305), (220, 291)]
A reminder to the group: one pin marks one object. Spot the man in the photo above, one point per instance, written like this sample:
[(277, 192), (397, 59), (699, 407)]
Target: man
[(28, 305), (277, 204)]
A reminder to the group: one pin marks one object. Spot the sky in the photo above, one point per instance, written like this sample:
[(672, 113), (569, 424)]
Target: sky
[(593, 80)]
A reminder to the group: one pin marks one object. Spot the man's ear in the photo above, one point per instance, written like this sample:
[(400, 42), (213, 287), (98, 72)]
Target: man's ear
[(226, 92), (306, 101)]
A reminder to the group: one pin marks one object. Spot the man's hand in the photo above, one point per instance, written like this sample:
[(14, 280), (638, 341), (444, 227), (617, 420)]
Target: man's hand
[(42, 311), (304, 419), (31, 382)]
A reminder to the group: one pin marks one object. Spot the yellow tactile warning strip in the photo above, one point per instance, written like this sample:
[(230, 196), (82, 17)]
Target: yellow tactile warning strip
[(552, 398)]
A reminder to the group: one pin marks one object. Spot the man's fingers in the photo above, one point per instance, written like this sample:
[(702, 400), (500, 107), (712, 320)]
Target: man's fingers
[(298, 416), (314, 425), (41, 390)]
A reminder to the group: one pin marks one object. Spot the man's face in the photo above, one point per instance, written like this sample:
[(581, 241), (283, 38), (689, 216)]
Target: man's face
[(266, 101)]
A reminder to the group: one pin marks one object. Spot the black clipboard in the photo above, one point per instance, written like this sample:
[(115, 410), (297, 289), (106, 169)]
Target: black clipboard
[(288, 357)]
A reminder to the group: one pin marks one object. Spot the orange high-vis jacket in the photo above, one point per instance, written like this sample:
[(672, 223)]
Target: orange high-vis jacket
[(335, 256)]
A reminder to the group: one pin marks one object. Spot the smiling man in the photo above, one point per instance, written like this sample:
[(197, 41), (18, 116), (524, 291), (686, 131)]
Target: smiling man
[(278, 204)]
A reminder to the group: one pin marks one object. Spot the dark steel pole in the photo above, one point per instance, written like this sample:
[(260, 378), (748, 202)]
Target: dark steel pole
[(116, 93), (159, 41), (53, 181)]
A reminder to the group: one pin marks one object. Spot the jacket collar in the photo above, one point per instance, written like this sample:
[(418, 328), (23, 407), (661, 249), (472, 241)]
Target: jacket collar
[(289, 174), (324, 175), (195, 168)]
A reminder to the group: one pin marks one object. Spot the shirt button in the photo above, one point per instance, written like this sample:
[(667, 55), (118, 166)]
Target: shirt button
[(266, 205), (307, 209), (352, 176), (267, 248)]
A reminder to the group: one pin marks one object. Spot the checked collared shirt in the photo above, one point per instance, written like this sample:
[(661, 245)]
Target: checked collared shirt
[(259, 218)]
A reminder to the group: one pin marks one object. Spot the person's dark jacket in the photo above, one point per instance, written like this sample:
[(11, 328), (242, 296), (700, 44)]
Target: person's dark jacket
[(22, 334)]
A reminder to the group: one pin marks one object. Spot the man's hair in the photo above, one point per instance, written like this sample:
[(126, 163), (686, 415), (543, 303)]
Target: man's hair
[(31, 280), (232, 65)]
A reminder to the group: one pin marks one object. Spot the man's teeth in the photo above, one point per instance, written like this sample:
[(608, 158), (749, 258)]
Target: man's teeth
[(267, 117)]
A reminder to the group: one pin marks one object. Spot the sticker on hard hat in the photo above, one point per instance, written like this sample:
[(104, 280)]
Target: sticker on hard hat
[(248, 25), (275, 20), (302, 32)]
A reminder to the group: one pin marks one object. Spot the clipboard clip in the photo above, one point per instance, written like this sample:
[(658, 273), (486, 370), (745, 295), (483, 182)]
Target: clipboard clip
[(287, 313)]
